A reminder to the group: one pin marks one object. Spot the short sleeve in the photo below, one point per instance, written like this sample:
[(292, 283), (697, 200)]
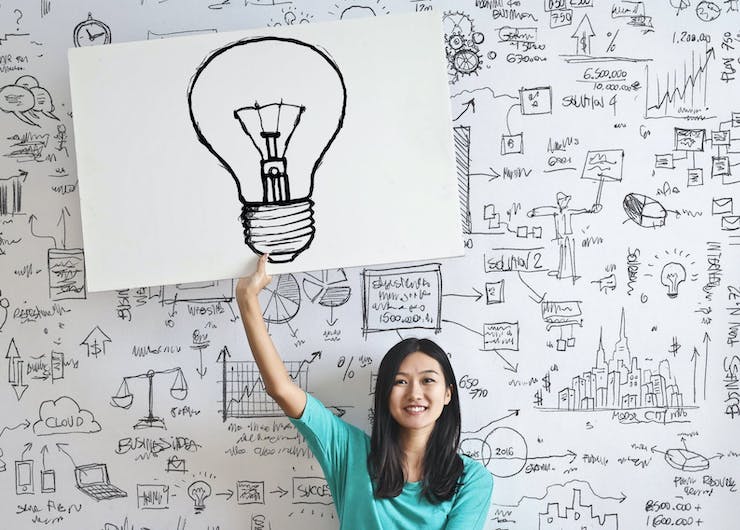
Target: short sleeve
[(327, 436), (470, 507)]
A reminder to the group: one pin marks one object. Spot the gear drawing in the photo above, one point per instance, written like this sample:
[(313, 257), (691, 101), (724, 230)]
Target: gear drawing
[(461, 45)]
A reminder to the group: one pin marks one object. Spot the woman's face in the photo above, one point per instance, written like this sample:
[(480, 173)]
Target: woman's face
[(419, 393)]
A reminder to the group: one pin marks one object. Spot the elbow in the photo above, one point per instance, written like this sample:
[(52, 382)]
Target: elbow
[(274, 392), (289, 397), (279, 392)]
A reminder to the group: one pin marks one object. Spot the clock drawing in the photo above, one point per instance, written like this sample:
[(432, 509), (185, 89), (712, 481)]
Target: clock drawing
[(91, 32)]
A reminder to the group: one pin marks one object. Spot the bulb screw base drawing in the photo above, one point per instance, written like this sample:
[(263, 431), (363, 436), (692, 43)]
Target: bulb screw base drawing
[(282, 230)]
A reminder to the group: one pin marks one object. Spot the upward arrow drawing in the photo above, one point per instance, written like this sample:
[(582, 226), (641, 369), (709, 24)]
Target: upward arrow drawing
[(63, 221), (95, 342), (15, 370), (469, 105), (583, 34), (31, 219), (223, 356)]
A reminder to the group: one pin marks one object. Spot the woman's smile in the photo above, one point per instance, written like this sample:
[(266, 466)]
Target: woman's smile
[(419, 393)]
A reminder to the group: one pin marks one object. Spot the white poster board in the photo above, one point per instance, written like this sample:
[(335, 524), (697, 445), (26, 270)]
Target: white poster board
[(325, 145)]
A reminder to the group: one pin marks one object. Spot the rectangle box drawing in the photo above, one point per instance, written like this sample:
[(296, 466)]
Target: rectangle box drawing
[(311, 490), (501, 336), (402, 298), (250, 492), (152, 496)]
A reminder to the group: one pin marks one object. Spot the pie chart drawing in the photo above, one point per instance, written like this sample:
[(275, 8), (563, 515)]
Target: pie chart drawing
[(644, 210), (327, 288), (281, 300), (685, 460)]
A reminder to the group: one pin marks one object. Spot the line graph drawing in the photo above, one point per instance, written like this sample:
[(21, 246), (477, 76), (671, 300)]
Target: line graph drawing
[(243, 390), (680, 93)]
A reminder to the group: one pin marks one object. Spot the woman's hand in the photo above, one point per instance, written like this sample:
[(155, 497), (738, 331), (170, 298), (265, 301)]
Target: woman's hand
[(249, 287)]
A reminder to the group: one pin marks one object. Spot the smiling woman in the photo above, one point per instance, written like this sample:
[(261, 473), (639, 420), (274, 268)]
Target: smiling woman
[(408, 473)]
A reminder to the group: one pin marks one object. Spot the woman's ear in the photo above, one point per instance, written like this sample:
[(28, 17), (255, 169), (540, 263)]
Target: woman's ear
[(448, 395)]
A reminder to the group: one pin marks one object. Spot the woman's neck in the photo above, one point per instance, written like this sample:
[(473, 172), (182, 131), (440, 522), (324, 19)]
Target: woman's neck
[(413, 447)]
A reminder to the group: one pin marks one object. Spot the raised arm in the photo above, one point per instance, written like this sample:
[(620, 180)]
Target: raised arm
[(540, 211), (278, 383)]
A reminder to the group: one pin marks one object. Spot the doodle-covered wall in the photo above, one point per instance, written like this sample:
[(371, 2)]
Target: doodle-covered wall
[(592, 322)]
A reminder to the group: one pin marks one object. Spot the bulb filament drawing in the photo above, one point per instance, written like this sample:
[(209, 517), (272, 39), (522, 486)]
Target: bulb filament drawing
[(288, 98)]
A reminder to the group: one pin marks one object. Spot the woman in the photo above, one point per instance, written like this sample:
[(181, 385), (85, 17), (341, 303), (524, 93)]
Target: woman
[(407, 474)]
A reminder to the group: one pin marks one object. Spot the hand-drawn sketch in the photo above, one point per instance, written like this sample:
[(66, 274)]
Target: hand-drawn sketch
[(26, 99), (124, 398), (348, 9), (15, 370), (681, 93), (621, 382), (277, 209), (24, 484), (562, 215), (283, 300), (91, 32), (64, 416), (462, 45), (92, 480), (199, 491), (402, 298), (557, 516), (598, 356), (95, 342), (11, 193), (243, 391)]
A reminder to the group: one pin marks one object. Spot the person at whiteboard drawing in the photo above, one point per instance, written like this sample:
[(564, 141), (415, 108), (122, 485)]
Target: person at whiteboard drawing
[(408, 474), (564, 232)]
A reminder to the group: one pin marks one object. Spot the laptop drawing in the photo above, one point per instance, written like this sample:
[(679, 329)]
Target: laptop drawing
[(92, 479)]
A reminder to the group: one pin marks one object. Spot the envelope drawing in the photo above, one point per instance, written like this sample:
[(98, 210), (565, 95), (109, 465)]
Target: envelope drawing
[(176, 464), (722, 206), (731, 222)]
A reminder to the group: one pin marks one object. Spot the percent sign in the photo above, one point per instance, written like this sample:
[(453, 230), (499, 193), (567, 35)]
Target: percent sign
[(348, 372), (611, 47)]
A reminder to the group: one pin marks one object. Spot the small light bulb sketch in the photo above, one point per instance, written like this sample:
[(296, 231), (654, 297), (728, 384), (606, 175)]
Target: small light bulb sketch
[(199, 491), (250, 107), (672, 275)]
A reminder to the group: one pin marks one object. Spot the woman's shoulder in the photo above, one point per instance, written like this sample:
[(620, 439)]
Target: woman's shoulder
[(475, 472), (317, 411)]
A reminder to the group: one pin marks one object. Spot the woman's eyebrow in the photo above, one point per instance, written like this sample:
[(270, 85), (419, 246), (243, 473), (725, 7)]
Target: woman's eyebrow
[(422, 372)]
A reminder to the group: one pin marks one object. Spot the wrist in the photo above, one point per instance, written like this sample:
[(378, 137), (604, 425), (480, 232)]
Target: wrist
[(248, 300)]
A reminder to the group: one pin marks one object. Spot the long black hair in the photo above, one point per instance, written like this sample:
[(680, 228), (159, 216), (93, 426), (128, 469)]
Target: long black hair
[(442, 467)]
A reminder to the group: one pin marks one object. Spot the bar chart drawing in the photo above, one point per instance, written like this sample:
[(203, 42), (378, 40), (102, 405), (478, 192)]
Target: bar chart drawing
[(11, 191)]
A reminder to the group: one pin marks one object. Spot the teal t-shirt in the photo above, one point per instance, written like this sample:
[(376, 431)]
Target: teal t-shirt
[(342, 450)]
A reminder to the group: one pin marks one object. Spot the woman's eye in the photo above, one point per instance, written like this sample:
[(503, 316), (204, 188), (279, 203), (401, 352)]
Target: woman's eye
[(429, 380), (399, 382)]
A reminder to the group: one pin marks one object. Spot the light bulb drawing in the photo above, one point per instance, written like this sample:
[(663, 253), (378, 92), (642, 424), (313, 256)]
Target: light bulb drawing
[(672, 275), (268, 109), (199, 491), (124, 398)]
